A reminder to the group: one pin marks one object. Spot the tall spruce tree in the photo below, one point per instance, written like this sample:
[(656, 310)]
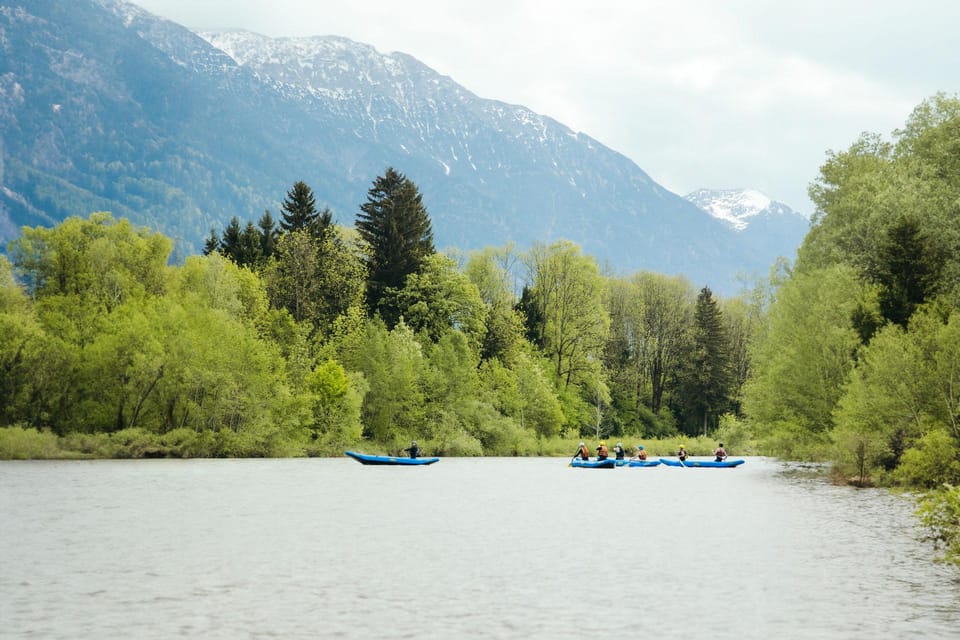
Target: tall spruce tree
[(299, 208), (230, 242), (268, 234), (250, 250), (708, 380), (323, 224), (394, 225), (212, 243)]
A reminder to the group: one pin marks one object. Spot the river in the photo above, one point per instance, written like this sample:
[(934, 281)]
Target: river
[(465, 548)]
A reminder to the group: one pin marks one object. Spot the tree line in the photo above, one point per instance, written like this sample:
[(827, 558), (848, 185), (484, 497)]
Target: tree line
[(303, 337), (858, 356)]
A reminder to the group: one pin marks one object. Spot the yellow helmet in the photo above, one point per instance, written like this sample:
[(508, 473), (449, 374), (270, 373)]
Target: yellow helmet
[(603, 442)]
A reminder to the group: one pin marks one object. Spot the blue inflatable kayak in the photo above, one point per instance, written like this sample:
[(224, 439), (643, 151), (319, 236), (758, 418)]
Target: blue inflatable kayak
[(638, 463), (670, 462), (609, 463), (363, 458)]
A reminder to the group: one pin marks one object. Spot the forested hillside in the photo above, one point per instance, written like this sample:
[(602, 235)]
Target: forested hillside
[(299, 337)]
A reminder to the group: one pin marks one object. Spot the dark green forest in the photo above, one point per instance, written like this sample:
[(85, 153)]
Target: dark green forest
[(296, 336)]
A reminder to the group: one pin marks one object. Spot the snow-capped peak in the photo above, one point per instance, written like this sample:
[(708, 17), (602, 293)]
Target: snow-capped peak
[(737, 206)]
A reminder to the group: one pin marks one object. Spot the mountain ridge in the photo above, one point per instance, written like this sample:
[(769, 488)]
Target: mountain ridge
[(109, 107)]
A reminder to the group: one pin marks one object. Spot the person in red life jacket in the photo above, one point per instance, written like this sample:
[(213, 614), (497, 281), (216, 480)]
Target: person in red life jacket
[(583, 453), (618, 451), (602, 451), (682, 454), (721, 453), (641, 453)]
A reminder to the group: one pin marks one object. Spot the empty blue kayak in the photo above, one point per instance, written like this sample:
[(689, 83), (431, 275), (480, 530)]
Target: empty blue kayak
[(609, 463), (363, 458), (670, 462)]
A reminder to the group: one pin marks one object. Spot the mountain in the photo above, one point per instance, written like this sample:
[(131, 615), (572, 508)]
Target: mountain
[(740, 207), (104, 106), (763, 224)]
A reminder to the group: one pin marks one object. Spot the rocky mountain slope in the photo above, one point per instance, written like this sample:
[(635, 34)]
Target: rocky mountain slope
[(104, 106)]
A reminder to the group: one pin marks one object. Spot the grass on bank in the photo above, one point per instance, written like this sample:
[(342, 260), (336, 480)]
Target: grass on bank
[(24, 443)]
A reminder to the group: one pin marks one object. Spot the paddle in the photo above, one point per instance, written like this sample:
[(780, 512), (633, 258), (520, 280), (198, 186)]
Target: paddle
[(575, 456)]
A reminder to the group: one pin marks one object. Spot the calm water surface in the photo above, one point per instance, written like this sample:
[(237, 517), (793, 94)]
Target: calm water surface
[(492, 548)]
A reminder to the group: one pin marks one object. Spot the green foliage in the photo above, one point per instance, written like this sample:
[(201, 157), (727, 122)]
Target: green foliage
[(903, 390), (395, 229), (736, 435), (315, 279), (707, 378), (538, 406), (932, 461), (292, 277), (652, 322), (459, 444), (337, 399), (300, 210), (802, 359), (939, 511), (907, 271), (23, 344), (861, 344), (20, 443), (655, 425), (392, 362), (440, 298), (568, 291), (490, 270), (102, 260), (853, 353), (742, 317)]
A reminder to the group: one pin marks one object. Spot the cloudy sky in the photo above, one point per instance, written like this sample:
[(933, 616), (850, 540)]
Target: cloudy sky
[(699, 93)]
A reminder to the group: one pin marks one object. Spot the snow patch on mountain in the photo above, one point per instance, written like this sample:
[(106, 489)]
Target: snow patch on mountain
[(738, 207)]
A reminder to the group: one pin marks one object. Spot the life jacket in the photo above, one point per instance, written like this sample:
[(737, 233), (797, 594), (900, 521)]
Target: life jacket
[(682, 454), (618, 451), (642, 455), (584, 453), (602, 451)]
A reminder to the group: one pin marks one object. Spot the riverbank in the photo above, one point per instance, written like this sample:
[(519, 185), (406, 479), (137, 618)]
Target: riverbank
[(18, 443)]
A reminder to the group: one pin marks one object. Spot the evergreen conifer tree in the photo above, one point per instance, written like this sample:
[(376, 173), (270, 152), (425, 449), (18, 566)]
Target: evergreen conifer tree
[(708, 380), (394, 225), (268, 234), (322, 223), (299, 208), (212, 244), (250, 250), (230, 242)]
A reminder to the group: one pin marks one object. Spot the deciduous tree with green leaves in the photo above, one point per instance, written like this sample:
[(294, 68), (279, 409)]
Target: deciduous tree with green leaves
[(801, 360)]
